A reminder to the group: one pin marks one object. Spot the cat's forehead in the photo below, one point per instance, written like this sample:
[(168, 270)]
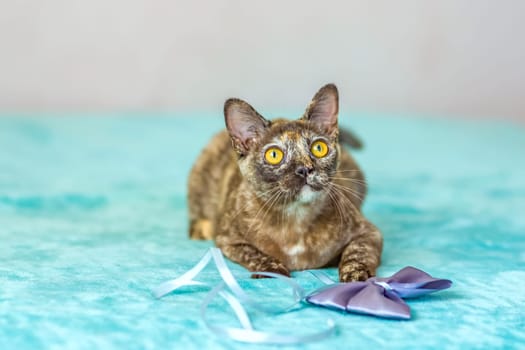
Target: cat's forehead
[(290, 136), (291, 132)]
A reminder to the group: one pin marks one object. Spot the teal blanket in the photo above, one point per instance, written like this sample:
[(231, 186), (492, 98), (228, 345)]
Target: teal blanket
[(93, 216)]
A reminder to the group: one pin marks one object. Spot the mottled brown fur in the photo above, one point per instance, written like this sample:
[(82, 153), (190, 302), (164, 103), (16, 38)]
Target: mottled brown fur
[(278, 218)]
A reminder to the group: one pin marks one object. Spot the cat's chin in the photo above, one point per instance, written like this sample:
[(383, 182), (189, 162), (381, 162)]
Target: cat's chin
[(307, 194)]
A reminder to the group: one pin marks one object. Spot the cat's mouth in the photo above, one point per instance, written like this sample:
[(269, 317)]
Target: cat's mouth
[(313, 186)]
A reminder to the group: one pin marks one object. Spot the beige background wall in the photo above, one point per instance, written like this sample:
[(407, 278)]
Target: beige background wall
[(446, 57)]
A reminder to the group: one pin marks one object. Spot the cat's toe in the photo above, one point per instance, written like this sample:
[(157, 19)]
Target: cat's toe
[(354, 272)]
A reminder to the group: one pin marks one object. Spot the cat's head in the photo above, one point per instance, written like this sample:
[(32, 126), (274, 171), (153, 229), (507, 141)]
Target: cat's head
[(286, 161)]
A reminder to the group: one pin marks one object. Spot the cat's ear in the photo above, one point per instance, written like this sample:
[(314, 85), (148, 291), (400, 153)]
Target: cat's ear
[(323, 109), (244, 124)]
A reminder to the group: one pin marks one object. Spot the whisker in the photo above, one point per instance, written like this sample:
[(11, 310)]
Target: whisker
[(341, 190), (338, 207), (270, 207), (350, 190), (349, 179), (345, 201), (276, 188), (275, 195), (347, 170), (283, 216)]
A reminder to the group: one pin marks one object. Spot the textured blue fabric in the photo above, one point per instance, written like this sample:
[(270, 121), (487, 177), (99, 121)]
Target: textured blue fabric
[(93, 216)]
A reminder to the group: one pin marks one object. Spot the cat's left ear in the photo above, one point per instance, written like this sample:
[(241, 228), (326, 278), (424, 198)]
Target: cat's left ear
[(244, 124), (323, 109)]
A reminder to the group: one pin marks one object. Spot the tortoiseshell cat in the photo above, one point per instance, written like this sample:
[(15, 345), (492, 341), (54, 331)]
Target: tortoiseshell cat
[(286, 196)]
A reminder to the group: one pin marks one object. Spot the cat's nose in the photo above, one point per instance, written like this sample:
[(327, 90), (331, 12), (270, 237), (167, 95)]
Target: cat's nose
[(303, 171)]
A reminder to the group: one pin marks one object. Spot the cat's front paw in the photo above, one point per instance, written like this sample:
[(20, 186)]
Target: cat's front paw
[(273, 268), (354, 271)]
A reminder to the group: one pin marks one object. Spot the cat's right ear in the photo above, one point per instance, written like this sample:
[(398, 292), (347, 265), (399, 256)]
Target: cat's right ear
[(244, 124)]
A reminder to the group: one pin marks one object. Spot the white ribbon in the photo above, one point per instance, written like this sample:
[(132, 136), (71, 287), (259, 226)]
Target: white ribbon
[(236, 296)]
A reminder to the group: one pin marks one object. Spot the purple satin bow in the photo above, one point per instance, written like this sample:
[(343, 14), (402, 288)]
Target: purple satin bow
[(379, 296)]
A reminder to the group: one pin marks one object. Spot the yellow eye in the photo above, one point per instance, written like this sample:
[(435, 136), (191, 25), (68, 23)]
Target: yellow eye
[(273, 155), (319, 149)]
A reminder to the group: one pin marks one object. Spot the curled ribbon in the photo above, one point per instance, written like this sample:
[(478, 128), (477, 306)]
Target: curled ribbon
[(376, 296), (235, 297)]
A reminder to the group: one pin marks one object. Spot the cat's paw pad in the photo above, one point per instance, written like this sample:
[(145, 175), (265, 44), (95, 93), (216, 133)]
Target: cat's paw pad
[(354, 272)]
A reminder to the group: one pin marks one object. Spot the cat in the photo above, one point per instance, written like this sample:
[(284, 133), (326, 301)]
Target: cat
[(279, 196)]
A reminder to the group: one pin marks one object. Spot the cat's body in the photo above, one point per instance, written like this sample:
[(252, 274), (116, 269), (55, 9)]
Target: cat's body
[(298, 213)]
